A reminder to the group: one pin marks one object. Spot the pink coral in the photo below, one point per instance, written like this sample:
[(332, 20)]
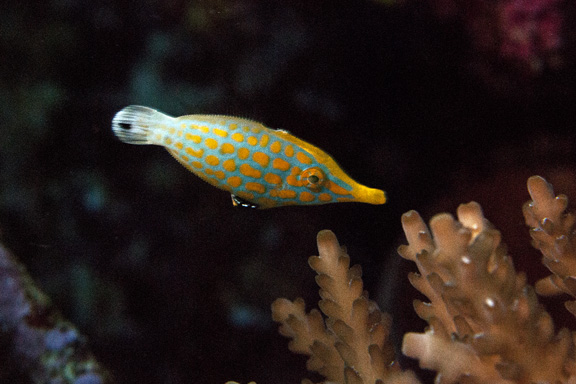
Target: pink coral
[(530, 31), (526, 36)]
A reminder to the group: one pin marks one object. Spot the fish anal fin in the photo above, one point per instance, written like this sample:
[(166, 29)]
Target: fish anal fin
[(240, 202)]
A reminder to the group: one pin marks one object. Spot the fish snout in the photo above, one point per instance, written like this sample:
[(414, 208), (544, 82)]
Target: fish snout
[(370, 195)]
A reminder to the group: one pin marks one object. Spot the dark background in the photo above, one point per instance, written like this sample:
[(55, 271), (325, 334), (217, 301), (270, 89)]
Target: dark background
[(172, 284)]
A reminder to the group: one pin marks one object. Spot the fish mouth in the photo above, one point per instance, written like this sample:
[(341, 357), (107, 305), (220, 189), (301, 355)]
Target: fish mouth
[(370, 195)]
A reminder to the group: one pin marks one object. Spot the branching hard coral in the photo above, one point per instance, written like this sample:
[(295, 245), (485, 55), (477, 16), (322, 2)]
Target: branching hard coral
[(486, 325), (552, 231), (351, 345), (485, 322), (44, 345)]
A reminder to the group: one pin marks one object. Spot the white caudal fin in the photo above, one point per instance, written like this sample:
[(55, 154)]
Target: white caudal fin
[(135, 124)]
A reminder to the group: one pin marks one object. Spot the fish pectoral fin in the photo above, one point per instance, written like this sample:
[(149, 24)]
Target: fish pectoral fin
[(240, 202)]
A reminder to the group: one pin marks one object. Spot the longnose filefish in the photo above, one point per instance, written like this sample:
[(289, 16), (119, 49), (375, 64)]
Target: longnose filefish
[(259, 166)]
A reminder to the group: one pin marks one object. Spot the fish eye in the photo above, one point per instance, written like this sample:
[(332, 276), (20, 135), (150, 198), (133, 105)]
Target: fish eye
[(313, 178), (125, 126)]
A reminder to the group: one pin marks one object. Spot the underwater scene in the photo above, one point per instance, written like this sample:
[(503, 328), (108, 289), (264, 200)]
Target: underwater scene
[(205, 191)]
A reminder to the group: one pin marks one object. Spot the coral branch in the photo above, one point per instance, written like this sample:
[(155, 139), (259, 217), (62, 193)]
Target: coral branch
[(43, 344), (309, 337), (552, 231), (352, 345), (485, 322)]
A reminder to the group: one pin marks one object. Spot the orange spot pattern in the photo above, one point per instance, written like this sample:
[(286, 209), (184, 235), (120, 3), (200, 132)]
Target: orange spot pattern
[(212, 160), (211, 143), (247, 170), (192, 152), (193, 138), (220, 132), (303, 158), (275, 147), (264, 140), (336, 188), (226, 148), (252, 140), (306, 197), (293, 179), (283, 193), (287, 194), (232, 164), (255, 187), (272, 178), (261, 158), (280, 164), (243, 153), (229, 165), (234, 181)]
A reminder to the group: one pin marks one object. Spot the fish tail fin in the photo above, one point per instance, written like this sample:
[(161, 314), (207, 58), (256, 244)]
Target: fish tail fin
[(135, 123)]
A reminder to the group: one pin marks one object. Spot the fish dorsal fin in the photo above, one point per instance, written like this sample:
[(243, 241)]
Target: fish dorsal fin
[(240, 202)]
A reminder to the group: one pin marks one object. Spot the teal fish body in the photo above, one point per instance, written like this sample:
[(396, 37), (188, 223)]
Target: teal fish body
[(259, 166)]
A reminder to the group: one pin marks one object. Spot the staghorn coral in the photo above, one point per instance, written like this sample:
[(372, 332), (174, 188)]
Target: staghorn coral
[(481, 312), (552, 231), (351, 345), (485, 322)]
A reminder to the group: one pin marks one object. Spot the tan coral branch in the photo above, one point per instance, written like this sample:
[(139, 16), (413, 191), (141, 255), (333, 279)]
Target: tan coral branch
[(483, 317), (355, 328), (553, 233)]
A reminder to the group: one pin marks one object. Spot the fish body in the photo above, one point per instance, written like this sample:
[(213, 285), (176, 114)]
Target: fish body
[(259, 166)]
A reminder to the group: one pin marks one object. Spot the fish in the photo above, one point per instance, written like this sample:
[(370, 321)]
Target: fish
[(260, 167)]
